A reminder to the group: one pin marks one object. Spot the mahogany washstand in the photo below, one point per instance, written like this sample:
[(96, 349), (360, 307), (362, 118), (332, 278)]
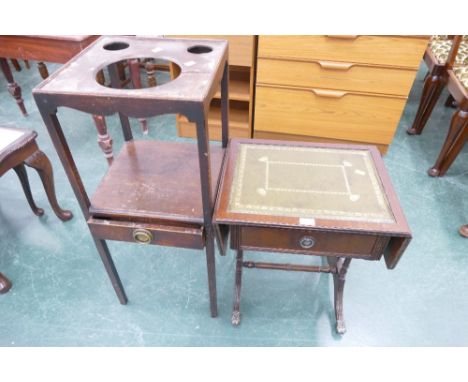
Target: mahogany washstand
[(154, 192), (331, 200)]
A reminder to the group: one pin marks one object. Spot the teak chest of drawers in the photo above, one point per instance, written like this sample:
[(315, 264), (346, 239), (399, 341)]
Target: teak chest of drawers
[(334, 88)]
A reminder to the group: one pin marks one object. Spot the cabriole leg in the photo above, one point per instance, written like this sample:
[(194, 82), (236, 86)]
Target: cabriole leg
[(23, 177), (39, 161)]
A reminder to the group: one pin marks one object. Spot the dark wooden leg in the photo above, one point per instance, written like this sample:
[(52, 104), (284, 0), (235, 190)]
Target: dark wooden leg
[(39, 161), (23, 177), (116, 84), (450, 101), (13, 87), (42, 70), (464, 230), (225, 105), (26, 63), (207, 199), (109, 265), (104, 139), (339, 278), (453, 143), (151, 78), (134, 66), (5, 284), (235, 318), (16, 64), (433, 86)]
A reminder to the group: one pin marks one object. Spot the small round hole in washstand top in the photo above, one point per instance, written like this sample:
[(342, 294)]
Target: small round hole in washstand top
[(199, 49), (116, 45)]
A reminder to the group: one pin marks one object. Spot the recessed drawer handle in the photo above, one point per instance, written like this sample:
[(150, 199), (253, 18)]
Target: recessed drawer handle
[(343, 36), (142, 236), (335, 65), (328, 93), (307, 242)]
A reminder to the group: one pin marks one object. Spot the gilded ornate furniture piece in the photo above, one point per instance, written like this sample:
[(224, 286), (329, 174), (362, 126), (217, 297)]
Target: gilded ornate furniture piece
[(334, 88), (330, 200), (154, 192)]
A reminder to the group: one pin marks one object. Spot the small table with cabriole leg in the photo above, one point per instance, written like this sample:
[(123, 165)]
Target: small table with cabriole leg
[(328, 200)]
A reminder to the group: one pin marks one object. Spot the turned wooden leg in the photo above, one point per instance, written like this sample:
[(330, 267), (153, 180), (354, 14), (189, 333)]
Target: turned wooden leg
[(104, 139), (450, 101), (136, 81), (13, 87), (235, 318), (42, 70), (433, 86), (453, 143), (39, 161), (23, 177), (150, 73), (339, 277), (5, 284), (464, 230), (16, 64)]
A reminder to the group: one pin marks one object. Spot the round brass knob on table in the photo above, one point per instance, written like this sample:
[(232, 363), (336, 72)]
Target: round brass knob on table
[(307, 242), (142, 236)]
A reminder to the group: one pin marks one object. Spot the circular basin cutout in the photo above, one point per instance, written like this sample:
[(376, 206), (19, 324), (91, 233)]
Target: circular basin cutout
[(138, 73), (117, 45), (200, 49)]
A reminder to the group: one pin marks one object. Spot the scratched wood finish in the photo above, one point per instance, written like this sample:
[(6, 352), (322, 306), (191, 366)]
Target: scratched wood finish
[(156, 177)]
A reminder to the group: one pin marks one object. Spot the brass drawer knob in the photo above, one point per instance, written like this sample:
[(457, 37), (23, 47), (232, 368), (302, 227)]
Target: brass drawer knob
[(307, 242), (142, 236)]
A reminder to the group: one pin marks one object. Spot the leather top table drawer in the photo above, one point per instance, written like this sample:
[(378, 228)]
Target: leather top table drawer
[(335, 75), (313, 242), (327, 113), (398, 51)]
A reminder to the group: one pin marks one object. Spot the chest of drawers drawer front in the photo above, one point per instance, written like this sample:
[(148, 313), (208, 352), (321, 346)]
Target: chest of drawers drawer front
[(335, 75), (379, 50), (312, 242), (357, 117)]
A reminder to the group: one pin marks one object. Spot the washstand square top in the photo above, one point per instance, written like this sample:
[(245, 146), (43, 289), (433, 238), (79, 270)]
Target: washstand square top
[(309, 185), (201, 64)]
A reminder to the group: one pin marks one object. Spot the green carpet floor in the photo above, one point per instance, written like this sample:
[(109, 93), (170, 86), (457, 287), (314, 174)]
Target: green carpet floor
[(62, 296)]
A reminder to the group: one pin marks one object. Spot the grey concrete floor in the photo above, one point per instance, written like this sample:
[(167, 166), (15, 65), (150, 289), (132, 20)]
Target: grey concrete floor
[(62, 297)]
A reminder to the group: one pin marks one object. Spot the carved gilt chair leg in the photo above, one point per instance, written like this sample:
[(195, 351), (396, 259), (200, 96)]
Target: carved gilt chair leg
[(13, 87), (235, 318), (104, 139), (23, 177), (42, 70), (5, 284), (39, 161), (134, 66), (453, 143), (433, 86)]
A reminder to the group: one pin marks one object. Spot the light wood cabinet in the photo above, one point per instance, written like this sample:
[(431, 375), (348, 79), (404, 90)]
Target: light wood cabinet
[(241, 89), (334, 88)]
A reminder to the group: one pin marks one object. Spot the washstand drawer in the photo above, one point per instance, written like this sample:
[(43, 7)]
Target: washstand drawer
[(327, 113), (335, 75), (312, 242), (379, 50), (165, 235)]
